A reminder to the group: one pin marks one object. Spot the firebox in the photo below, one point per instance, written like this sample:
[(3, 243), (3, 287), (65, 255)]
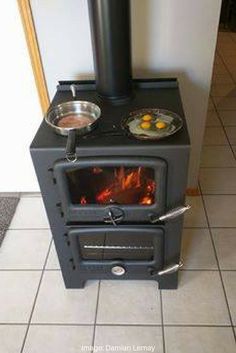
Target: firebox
[(116, 208), (93, 186)]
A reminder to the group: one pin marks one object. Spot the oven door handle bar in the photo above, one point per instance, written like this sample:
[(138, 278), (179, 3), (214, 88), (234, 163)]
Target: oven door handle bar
[(172, 214)]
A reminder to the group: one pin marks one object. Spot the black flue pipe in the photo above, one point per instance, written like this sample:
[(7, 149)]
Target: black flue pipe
[(111, 40)]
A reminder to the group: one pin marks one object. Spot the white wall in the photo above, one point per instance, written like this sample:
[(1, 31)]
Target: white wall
[(170, 37), (20, 110)]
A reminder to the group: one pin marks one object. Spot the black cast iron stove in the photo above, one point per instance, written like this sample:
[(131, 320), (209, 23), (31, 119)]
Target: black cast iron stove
[(115, 212)]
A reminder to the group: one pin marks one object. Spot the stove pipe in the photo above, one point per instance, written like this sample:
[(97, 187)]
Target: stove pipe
[(110, 31)]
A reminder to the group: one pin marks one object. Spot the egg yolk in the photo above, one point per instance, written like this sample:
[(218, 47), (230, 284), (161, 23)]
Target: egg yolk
[(147, 117), (160, 125), (145, 125)]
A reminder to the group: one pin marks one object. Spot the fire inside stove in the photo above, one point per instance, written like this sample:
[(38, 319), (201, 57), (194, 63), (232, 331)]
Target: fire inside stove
[(112, 185)]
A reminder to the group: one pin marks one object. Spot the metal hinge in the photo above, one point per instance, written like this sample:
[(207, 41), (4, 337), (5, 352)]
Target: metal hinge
[(58, 205), (72, 263), (53, 178), (67, 239)]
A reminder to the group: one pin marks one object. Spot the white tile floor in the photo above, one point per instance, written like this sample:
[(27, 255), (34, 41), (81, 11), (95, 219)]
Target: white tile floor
[(38, 315)]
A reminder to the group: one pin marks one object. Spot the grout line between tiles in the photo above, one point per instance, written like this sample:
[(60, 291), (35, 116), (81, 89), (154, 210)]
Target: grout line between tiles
[(90, 325), (111, 325), (13, 323), (218, 265), (162, 323), (35, 299), (28, 270), (195, 325), (216, 108), (224, 128), (19, 270), (95, 319), (28, 228), (226, 66)]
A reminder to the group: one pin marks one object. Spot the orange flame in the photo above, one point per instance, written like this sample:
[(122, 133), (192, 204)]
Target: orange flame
[(146, 200), (83, 200), (105, 194), (129, 188)]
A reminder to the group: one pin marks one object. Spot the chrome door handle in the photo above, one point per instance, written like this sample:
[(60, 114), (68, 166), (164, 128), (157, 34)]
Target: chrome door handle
[(175, 212), (170, 269), (167, 270)]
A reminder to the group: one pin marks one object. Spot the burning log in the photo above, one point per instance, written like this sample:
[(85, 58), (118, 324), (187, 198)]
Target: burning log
[(128, 188)]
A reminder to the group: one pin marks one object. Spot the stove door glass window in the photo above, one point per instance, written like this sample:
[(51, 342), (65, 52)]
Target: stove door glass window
[(122, 185)]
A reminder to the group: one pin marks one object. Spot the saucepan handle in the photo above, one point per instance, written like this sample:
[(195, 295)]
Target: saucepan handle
[(71, 146), (73, 90)]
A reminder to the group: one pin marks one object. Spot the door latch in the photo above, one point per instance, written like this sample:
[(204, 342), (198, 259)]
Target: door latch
[(114, 215)]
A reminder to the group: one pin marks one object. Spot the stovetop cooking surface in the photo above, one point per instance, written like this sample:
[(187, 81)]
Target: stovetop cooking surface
[(150, 93)]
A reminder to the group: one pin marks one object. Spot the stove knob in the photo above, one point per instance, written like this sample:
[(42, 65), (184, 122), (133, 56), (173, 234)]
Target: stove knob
[(118, 270)]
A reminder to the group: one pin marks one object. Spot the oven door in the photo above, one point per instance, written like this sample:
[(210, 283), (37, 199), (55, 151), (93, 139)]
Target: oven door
[(111, 189), (121, 251)]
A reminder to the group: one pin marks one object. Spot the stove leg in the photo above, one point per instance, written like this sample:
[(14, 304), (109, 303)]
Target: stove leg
[(76, 284), (169, 281), (81, 284)]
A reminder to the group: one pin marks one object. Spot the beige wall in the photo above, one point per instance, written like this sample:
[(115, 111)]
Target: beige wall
[(170, 38)]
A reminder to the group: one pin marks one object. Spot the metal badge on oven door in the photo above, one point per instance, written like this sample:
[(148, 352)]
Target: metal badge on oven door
[(113, 215), (118, 270), (174, 213)]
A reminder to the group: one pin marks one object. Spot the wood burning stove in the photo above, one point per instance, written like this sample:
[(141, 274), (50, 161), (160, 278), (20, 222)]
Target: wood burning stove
[(116, 211)]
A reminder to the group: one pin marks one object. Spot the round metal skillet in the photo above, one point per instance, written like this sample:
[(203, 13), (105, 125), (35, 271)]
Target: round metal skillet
[(71, 119)]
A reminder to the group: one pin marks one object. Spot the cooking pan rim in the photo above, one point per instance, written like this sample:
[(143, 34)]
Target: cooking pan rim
[(64, 131)]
